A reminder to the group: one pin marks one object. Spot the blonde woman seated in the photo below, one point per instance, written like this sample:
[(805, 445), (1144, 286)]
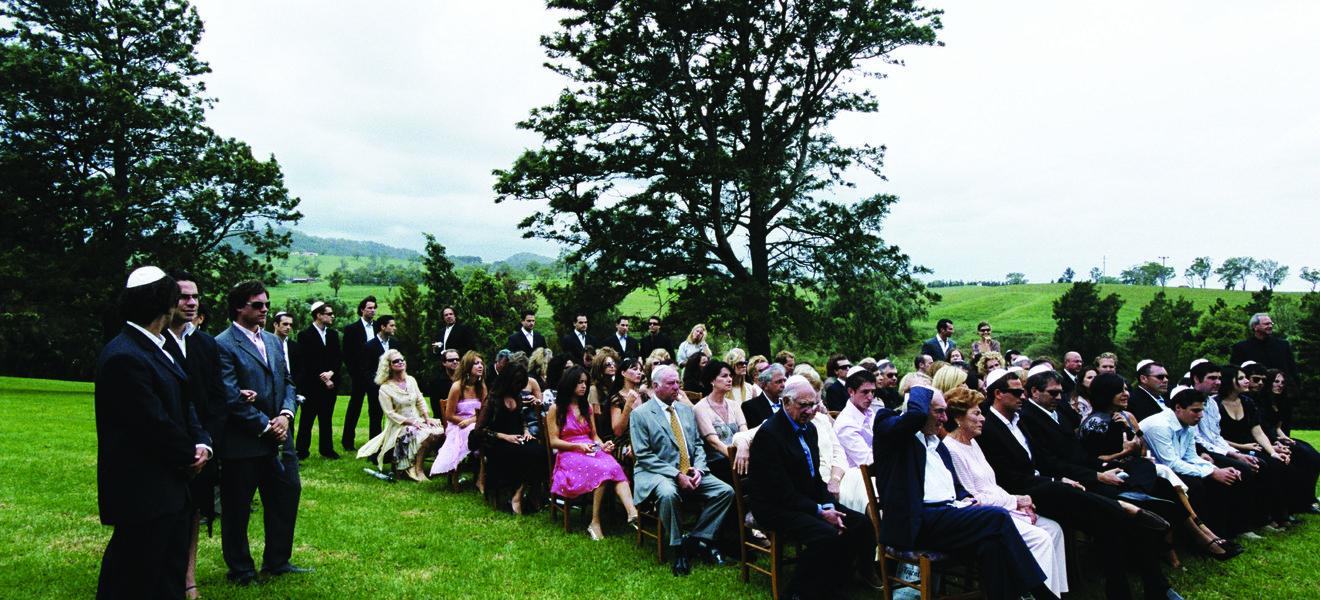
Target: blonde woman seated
[(409, 429), (948, 378), (695, 343), (743, 389), (584, 464), (1043, 536)]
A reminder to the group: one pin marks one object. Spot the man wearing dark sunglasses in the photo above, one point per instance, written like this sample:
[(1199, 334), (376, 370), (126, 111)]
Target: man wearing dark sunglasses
[(320, 381), (1147, 398), (1119, 529)]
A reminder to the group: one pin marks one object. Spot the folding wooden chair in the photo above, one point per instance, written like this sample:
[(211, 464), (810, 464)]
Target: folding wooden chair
[(746, 544), (559, 505), (958, 567)]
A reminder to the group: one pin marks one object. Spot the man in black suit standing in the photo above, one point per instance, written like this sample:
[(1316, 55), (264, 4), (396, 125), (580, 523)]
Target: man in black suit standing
[(788, 496), (149, 445), (926, 507), (1072, 367), (320, 384), (654, 339), (381, 340), (293, 358), (939, 346), (196, 351), (575, 343), (621, 343), (356, 334), (764, 406), (526, 339), (456, 336), (255, 446), (836, 395)]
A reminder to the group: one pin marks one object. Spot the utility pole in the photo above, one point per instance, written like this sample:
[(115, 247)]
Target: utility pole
[(1162, 259)]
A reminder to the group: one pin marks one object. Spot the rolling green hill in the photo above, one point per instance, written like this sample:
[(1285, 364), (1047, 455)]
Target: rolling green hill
[(1023, 315)]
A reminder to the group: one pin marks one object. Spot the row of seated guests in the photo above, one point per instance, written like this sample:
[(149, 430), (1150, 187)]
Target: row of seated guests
[(1046, 473)]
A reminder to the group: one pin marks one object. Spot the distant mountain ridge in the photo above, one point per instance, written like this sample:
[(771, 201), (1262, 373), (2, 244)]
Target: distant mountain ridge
[(303, 242)]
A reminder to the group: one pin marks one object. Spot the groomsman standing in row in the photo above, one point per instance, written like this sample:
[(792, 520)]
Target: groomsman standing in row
[(149, 445), (320, 383), (355, 336)]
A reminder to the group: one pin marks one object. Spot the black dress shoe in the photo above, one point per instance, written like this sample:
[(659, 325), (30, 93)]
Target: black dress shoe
[(331, 456), (349, 447), (681, 566), (287, 570), (303, 455), (246, 581), (715, 558)]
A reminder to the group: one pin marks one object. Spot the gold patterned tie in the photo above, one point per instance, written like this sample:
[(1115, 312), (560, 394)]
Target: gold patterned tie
[(684, 463)]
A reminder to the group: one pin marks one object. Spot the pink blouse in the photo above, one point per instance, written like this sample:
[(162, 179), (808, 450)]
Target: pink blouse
[(977, 476)]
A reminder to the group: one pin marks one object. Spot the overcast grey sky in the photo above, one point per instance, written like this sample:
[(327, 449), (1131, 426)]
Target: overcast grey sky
[(1043, 135)]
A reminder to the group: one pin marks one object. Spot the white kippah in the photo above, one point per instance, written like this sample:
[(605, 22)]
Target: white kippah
[(1244, 365), (316, 305), (1174, 392), (1040, 368), (854, 371), (1196, 362), (144, 276), (1144, 363), (995, 375)]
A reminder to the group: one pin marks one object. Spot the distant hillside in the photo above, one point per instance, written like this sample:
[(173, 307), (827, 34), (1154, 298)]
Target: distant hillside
[(1022, 316), (341, 247), (522, 259)]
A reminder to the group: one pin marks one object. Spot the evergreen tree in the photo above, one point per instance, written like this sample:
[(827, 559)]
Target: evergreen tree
[(1085, 323)]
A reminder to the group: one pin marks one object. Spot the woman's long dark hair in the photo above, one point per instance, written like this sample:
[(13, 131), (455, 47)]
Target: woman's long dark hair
[(1267, 395), (509, 384), (1228, 375), (566, 395), (619, 382), (1104, 388)]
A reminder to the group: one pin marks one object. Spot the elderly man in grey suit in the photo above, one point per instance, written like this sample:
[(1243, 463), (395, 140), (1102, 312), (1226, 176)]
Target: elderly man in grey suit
[(257, 444), (671, 466)]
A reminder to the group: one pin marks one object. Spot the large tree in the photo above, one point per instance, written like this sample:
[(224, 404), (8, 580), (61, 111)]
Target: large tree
[(1086, 324), (1163, 332), (693, 143), (1236, 270), (106, 163)]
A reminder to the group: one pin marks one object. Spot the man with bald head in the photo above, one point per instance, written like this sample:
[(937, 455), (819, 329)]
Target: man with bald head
[(671, 467), (1072, 368)]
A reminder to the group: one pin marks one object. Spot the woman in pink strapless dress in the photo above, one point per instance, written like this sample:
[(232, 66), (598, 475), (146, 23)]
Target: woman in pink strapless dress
[(583, 463), (460, 413)]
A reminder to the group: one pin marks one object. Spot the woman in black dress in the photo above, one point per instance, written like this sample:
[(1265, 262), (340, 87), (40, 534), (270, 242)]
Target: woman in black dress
[(514, 459), (1239, 423), (1276, 398), (1112, 435)]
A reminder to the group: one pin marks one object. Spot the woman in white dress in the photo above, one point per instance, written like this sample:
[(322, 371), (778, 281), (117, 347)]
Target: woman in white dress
[(409, 429)]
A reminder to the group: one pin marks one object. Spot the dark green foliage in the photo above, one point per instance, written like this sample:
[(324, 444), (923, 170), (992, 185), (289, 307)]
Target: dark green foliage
[(1236, 270), (1305, 340), (106, 164), (692, 142), (408, 305), (1015, 279), (1201, 269), (1150, 273), (1261, 302), (1086, 323), (1163, 333), (1219, 328), (1068, 275)]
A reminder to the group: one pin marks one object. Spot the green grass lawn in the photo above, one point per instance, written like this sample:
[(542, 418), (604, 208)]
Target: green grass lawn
[(373, 540)]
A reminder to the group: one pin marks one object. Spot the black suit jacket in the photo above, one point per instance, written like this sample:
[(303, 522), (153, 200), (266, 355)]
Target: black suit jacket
[(146, 431), (570, 345), (757, 410), (297, 362), (633, 348), (650, 342), (1142, 404), (370, 357), (1057, 449), (900, 468), (836, 396), (355, 334), (783, 478), (207, 391), (461, 339), (1068, 385), (1272, 353), (518, 342), (1015, 470), (319, 358)]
